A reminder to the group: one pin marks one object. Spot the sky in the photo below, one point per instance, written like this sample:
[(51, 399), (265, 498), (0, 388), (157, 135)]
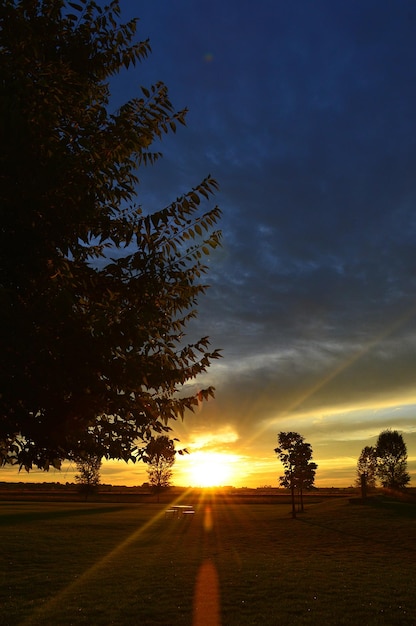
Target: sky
[(305, 114)]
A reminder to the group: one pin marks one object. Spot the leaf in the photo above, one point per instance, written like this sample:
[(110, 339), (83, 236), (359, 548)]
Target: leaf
[(194, 197)]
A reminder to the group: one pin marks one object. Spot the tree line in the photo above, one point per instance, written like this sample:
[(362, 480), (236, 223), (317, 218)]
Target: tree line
[(386, 462)]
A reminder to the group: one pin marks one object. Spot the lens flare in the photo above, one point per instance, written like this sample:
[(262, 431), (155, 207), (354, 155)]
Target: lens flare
[(210, 469)]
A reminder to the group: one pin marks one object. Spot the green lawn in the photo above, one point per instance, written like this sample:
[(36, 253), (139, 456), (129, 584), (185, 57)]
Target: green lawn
[(95, 564)]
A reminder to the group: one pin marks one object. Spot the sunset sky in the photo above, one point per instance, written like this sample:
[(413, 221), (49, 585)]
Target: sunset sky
[(305, 113)]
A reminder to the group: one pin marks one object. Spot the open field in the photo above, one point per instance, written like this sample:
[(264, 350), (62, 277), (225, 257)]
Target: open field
[(71, 563)]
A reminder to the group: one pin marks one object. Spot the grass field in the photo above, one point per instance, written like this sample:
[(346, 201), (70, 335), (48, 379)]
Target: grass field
[(231, 564)]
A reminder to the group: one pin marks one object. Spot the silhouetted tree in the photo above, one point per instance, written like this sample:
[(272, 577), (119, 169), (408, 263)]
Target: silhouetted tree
[(88, 477), (305, 470), (95, 293), (296, 457), (367, 466), (160, 457), (391, 453)]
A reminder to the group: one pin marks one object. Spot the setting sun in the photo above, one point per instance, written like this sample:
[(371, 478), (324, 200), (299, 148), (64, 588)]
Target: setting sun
[(210, 469)]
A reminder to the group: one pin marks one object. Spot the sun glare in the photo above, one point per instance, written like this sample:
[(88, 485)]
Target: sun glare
[(210, 469)]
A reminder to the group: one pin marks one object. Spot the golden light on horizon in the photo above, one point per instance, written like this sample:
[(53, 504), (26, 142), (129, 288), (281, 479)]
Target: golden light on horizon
[(209, 469)]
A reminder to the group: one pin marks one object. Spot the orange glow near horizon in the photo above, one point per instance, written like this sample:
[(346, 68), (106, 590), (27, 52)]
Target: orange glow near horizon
[(209, 469)]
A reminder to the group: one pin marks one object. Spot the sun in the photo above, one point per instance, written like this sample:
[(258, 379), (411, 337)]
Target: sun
[(210, 469)]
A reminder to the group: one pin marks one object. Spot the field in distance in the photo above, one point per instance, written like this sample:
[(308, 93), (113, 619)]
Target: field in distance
[(109, 493)]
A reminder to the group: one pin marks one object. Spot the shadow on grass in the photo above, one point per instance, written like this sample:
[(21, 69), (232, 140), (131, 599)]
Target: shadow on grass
[(388, 505), (27, 518), (402, 509)]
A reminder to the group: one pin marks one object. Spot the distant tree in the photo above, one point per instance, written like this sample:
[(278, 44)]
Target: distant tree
[(367, 466), (95, 292), (391, 453), (88, 477), (160, 457), (296, 457), (305, 470)]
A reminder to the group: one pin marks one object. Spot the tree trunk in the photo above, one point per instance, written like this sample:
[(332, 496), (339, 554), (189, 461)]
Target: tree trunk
[(364, 486), (292, 491)]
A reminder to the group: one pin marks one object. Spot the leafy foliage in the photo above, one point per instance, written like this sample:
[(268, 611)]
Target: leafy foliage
[(95, 293), (367, 464), (296, 457), (391, 453), (161, 457)]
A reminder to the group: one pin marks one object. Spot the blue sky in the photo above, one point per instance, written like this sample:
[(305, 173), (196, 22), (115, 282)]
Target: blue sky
[(305, 114)]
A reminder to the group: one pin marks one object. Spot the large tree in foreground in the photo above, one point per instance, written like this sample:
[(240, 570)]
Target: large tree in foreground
[(391, 453), (95, 293)]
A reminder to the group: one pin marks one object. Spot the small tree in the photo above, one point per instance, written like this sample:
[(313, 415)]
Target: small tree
[(161, 457), (295, 455), (88, 477), (391, 454), (367, 467), (305, 470)]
